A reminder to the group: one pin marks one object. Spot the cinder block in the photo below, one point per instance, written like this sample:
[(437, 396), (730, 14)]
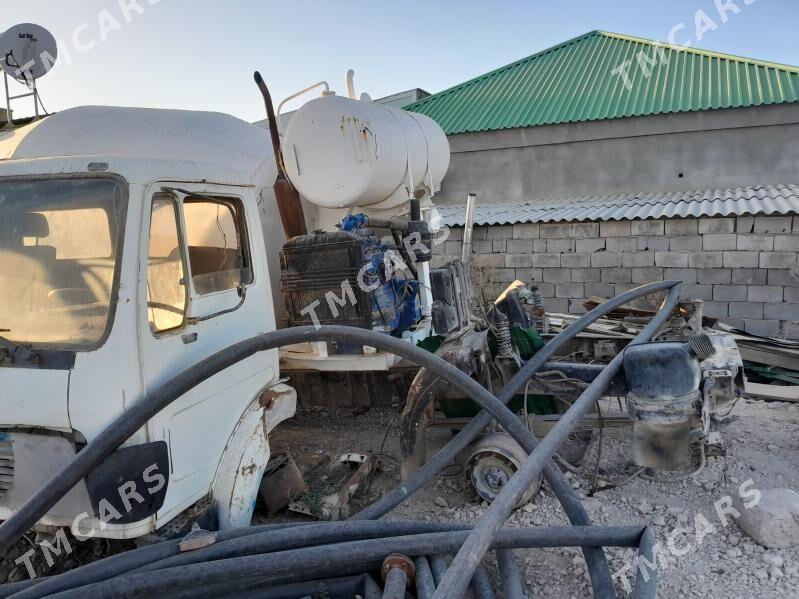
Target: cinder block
[(638, 259), (554, 230), (455, 234), (714, 276), (621, 244), (528, 274), (773, 224), (489, 260), (647, 227), (719, 241), (777, 259), (590, 245), (575, 260), (705, 260), (501, 275), (499, 232), (605, 259), (764, 293), (556, 275), (546, 289), (615, 228), (498, 245), (560, 246), (703, 292), (739, 259), (783, 277), (716, 225), (738, 323), (682, 226), (482, 246), (745, 224), (518, 260), (653, 244), (751, 310), (584, 230), (756, 243), (576, 306), (519, 246), (685, 243), (546, 260), (539, 246), (599, 290), (569, 290), (479, 232), (647, 275), (791, 295), (717, 309), (786, 243), (687, 275), (781, 311), (766, 328), (671, 259), (749, 276), (526, 231), (730, 293), (585, 275), (556, 305), (452, 248), (616, 275)]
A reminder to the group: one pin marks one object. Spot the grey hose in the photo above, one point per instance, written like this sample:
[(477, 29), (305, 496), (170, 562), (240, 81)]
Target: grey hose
[(470, 555)]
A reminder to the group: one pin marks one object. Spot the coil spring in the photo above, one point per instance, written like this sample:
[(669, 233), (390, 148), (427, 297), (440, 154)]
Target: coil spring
[(504, 342)]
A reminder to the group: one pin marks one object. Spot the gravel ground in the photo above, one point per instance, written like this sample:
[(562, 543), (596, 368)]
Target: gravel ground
[(760, 445)]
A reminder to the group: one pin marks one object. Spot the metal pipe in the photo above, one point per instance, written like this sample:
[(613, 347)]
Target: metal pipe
[(481, 584), (297, 95), (468, 226), (473, 549)]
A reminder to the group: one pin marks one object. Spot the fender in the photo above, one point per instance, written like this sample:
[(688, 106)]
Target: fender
[(241, 467)]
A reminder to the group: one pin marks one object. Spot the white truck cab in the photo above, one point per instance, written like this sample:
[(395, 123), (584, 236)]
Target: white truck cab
[(133, 244)]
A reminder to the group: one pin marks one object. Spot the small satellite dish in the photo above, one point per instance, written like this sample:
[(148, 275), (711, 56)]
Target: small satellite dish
[(27, 52)]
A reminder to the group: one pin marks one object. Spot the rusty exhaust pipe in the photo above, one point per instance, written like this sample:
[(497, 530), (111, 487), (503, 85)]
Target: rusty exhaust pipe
[(288, 200)]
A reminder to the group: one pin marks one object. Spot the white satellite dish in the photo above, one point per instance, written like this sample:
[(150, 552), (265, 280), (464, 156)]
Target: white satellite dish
[(27, 52)]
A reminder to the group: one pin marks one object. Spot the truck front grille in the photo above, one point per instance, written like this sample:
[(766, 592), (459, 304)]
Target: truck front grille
[(6, 465)]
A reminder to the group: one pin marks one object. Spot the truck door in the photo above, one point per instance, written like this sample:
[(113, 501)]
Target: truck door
[(203, 291)]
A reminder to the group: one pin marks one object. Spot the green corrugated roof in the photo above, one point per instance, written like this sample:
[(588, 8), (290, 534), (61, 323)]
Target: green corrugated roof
[(574, 82)]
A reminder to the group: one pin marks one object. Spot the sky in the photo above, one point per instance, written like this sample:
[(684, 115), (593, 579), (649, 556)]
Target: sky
[(200, 54)]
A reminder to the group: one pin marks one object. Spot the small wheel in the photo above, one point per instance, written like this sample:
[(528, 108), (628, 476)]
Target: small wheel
[(493, 460)]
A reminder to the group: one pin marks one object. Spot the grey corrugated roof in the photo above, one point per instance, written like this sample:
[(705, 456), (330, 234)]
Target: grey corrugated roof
[(762, 199)]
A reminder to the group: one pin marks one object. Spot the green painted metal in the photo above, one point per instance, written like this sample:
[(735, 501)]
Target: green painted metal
[(603, 75)]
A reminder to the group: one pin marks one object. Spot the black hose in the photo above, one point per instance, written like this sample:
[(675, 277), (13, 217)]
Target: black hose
[(439, 564), (142, 411), (395, 584), (510, 575), (425, 585), (595, 558), (296, 565), (481, 584), (471, 553), (139, 413), (476, 425), (232, 543), (646, 582)]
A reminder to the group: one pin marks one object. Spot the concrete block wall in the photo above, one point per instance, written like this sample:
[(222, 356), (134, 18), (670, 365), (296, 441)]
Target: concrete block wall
[(744, 268)]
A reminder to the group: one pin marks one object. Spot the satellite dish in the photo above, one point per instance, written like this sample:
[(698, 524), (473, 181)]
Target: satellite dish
[(27, 52)]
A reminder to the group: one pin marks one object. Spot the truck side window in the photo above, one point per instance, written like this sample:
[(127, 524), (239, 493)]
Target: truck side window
[(166, 291), (216, 244)]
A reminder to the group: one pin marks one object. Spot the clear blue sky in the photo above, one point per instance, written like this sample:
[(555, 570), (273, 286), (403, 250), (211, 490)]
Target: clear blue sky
[(200, 54)]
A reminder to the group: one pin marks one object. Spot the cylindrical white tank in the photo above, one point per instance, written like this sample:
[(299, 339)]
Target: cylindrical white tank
[(341, 153)]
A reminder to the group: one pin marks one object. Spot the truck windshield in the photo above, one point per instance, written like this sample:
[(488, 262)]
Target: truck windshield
[(59, 241)]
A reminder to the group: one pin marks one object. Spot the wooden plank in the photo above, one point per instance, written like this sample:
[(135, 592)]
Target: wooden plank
[(773, 392)]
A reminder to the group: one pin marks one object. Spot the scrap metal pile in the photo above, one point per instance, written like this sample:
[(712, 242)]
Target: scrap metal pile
[(293, 560)]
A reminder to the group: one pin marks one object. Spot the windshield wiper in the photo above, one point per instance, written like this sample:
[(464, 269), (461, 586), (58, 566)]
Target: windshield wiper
[(14, 351)]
